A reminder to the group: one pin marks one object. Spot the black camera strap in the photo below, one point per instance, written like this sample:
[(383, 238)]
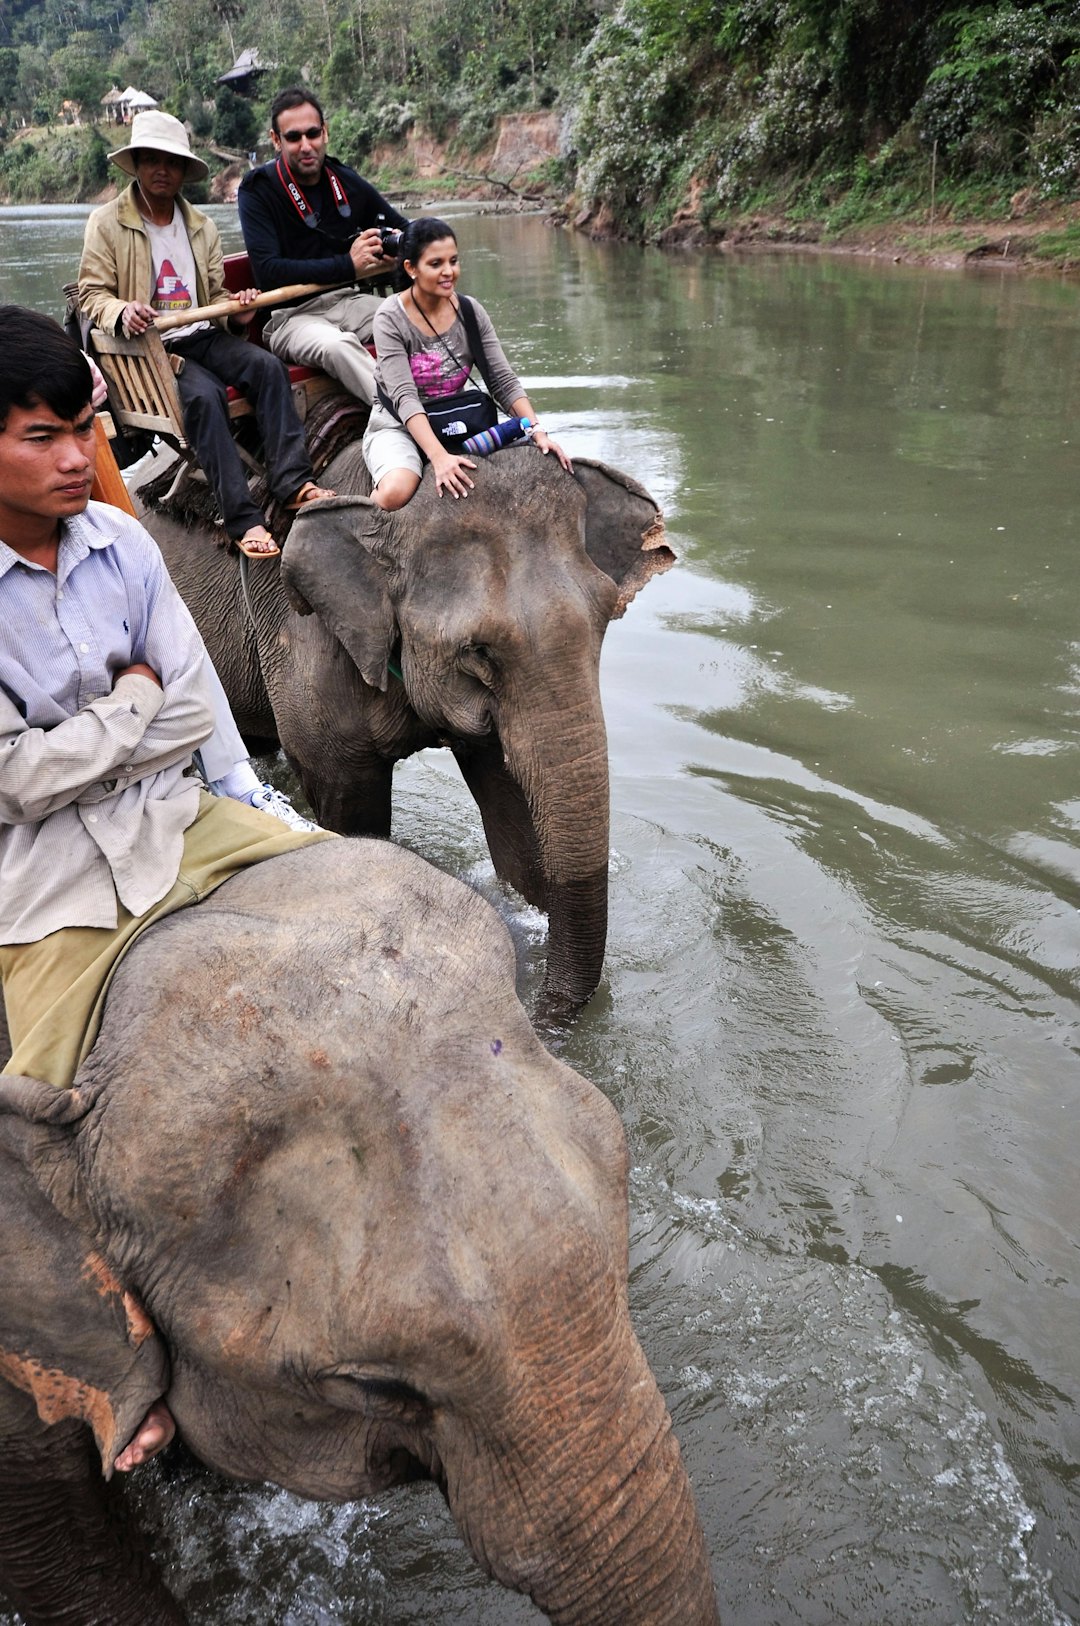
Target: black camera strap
[(300, 203)]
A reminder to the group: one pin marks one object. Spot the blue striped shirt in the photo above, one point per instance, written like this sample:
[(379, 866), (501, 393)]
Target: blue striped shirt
[(95, 793)]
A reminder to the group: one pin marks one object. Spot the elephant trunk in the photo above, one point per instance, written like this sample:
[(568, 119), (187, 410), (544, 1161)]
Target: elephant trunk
[(644, 1563), (606, 1532), (577, 936), (565, 783)]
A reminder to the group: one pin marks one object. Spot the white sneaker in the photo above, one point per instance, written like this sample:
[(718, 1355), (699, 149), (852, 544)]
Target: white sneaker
[(269, 800)]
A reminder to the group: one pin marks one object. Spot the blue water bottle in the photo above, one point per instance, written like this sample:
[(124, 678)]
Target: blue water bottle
[(489, 440)]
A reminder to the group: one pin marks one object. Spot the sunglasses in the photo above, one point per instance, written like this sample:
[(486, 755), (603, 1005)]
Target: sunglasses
[(293, 136)]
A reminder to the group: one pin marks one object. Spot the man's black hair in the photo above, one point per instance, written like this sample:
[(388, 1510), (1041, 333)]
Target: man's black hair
[(40, 366), (293, 96)]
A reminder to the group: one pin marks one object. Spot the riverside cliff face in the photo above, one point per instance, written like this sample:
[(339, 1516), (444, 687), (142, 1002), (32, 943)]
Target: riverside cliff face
[(1023, 239), (524, 143)]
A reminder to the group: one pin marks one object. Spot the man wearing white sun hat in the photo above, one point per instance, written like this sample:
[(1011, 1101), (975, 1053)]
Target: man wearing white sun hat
[(150, 252)]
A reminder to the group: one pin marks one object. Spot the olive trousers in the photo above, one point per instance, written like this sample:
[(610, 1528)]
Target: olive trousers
[(54, 990)]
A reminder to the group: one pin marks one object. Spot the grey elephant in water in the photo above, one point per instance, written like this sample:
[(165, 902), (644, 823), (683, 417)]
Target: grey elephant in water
[(475, 624), (320, 1184)]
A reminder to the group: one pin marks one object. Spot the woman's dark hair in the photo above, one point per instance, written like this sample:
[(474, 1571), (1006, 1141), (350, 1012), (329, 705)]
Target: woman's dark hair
[(293, 96), (414, 240), (40, 366)]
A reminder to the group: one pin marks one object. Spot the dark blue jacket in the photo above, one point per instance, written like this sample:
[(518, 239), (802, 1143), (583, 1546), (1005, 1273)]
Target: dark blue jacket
[(284, 249)]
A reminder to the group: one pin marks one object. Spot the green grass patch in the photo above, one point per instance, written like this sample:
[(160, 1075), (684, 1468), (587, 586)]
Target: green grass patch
[(1060, 245)]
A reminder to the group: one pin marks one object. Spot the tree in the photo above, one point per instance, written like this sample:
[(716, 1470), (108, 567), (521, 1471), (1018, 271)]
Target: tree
[(79, 72), (9, 76), (236, 127), (33, 92)]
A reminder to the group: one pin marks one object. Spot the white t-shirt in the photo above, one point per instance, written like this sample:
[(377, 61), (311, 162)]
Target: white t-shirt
[(173, 273)]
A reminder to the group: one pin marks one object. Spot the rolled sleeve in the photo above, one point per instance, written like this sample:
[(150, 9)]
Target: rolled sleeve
[(42, 770), (170, 644)]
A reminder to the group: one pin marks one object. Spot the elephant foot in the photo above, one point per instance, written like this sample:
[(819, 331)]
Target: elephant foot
[(553, 1015), (152, 1435)]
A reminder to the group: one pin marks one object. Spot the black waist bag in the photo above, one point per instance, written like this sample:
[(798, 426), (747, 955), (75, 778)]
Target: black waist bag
[(455, 418)]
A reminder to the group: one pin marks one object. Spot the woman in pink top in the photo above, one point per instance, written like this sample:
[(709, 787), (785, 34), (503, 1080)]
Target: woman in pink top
[(424, 354)]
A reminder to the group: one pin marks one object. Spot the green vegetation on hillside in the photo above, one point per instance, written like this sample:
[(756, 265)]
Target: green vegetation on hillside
[(835, 108), (379, 67), (832, 110)]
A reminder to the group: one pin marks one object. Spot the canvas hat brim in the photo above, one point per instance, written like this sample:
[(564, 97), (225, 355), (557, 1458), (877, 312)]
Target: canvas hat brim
[(148, 139), (124, 158)]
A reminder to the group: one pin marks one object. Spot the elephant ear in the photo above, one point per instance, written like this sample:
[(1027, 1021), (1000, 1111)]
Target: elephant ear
[(624, 529), (73, 1343), (328, 567)]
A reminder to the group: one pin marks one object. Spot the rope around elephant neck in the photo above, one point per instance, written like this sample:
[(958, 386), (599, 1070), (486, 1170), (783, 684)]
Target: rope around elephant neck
[(246, 590)]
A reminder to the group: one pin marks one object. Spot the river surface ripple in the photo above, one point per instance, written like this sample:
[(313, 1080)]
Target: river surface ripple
[(839, 1014)]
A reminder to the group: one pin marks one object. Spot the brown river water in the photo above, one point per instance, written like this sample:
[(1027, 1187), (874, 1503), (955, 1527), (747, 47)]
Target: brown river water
[(839, 1016)]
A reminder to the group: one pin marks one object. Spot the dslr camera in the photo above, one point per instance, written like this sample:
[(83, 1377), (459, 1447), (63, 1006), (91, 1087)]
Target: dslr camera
[(390, 239)]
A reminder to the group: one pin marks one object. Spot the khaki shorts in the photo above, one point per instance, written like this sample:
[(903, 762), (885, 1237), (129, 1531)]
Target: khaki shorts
[(388, 445), (54, 990)]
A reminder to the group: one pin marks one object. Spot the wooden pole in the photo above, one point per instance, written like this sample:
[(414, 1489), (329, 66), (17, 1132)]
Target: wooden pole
[(933, 192), (108, 483), (233, 307)]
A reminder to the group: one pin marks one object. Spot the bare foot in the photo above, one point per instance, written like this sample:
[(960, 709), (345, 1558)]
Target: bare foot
[(309, 492), (257, 543), (152, 1435)]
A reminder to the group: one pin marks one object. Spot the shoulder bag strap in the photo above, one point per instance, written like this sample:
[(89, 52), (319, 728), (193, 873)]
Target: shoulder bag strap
[(476, 347), (476, 343)]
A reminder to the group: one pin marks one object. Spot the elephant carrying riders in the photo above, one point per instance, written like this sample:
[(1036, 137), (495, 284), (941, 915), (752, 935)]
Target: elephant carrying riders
[(106, 692), (149, 253), (308, 219)]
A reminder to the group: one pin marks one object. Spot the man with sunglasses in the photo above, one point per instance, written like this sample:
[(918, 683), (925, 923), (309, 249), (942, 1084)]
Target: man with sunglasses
[(307, 218)]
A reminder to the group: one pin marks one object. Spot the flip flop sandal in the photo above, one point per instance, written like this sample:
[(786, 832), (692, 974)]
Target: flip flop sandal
[(309, 492), (253, 546)]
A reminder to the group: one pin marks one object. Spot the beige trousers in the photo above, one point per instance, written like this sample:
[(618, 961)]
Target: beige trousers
[(54, 990), (330, 331)]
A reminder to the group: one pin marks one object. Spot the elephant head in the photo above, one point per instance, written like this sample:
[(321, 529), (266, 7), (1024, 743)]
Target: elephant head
[(381, 1231), (491, 613)]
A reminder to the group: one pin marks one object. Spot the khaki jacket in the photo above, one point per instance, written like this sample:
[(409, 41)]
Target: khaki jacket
[(116, 266)]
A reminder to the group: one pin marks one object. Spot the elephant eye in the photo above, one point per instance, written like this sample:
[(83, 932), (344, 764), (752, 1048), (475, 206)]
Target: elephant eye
[(389, 1389), (478, 660), (382, 1397)]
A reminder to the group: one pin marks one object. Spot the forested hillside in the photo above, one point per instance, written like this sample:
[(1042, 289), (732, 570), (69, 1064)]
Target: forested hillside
[(836, 108)]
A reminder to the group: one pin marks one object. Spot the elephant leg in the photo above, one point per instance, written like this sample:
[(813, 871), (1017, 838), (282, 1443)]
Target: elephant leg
[(358, 803), (508, 821), (68, 1549), (342, 736)]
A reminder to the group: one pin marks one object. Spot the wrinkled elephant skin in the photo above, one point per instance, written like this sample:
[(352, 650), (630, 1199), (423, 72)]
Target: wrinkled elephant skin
[(320, 1183), (475, 624)]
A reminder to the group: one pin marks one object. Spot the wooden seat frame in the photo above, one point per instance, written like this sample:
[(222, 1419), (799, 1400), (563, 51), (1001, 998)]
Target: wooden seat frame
[(143, 393)]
